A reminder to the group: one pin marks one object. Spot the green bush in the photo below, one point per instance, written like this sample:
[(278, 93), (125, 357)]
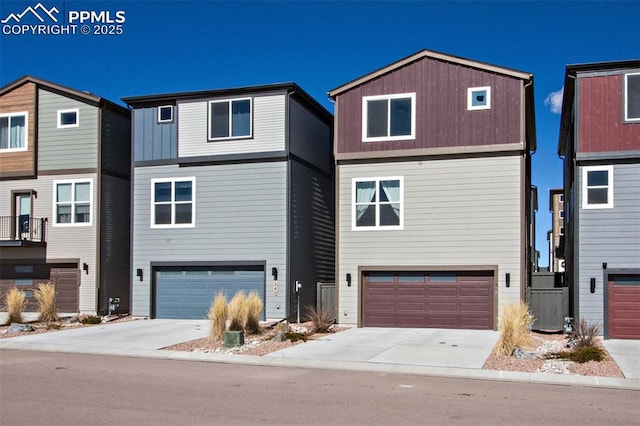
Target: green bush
[(91, 319), (587, 353)]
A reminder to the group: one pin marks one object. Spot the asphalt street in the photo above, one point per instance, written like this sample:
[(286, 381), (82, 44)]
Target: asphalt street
[(41, 388)]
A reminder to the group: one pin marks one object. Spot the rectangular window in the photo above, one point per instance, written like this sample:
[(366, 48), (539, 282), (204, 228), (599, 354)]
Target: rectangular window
[(13, 132), (597, 187), (68, 118), (561, 232), (377, 203), (632, 97), (165, 114), (389, 117), (173, 204), (230, 119), (562, 198), (443, 277), (561, 214), (479, 98), (72, 202)]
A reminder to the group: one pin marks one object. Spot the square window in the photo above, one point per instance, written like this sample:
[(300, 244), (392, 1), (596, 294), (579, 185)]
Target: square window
[(597, 187), (230, 119), (561, 214), (68, 118), (13, 132), (388, 117), (72, 204), (562, 198), (378, 203), (173, 204), (561, 232), (165, 114), (479, 98), (632, 97)]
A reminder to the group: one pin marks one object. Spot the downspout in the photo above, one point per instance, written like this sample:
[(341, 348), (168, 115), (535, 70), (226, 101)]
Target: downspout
[(289, 286), (98, 210)]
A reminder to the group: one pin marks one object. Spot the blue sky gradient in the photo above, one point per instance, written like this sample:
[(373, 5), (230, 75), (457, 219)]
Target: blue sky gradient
[(174, 46)]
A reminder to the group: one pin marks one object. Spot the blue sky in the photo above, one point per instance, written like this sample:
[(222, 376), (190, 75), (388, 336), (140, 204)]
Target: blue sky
[(173, 46)]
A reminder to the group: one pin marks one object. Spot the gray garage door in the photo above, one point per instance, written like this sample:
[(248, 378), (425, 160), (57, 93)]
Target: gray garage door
[(186, 293)]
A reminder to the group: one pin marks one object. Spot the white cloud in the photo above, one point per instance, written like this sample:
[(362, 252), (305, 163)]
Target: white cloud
[(554, 101)]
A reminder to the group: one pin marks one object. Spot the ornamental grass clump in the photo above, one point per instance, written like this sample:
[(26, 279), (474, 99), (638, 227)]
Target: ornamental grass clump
[(584, 335), (45, 296), (515, 324), (14, 302), (237, 312), (253, 309), (218, 317), (321, 319)]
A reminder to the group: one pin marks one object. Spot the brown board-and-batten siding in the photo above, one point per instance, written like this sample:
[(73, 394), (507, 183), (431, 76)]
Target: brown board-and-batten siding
[(442, 117), (20, 163), (601, 126)]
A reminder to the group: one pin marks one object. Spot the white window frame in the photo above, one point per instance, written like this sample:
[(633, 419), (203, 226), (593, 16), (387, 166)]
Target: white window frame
[(377, 226), (230, 101), (365, 112), (626, 99), (585, 188), (73, 202), (64, 111), (470, 92), (173, 203), (26, 131), (160, 120), (561, 214)]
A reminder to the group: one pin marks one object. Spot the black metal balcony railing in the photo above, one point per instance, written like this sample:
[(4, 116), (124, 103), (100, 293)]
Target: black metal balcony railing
[(23, 228)]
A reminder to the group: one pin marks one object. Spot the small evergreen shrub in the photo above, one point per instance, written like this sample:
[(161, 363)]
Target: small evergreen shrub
[(91, 319), (14, 302), (45, 296), (237, 312), (321, 319), (218, 317), (253, 308), (585, 335), (587, 353), (514, 328)]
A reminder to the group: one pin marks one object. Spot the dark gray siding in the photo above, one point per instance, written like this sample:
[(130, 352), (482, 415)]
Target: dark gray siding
[(609, 236), (114, 242), (309, 137), (312, 241), (116, 143), (153, 140)]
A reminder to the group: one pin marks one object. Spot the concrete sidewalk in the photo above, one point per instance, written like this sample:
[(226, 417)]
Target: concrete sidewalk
[(434, 352)]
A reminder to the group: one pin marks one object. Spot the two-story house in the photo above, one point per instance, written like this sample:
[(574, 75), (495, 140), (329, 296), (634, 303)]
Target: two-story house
[(556, 235), (599, 143), (433, 205), (64, 195), (233, 189)]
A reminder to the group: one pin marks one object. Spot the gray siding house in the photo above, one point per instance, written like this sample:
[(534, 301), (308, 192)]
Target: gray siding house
[(233, 190), (64, 186), (600, 146), (433, 206)]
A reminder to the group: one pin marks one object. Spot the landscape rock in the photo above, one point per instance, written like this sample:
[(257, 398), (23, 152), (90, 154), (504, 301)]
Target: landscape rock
[(18, 328), (524, 354)]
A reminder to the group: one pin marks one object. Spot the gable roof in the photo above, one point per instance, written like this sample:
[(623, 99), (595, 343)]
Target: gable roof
[(82, 96), (571, 71), (433, 55)]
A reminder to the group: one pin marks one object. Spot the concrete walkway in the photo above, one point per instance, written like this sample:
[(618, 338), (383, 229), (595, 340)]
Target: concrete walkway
[(435, 352)]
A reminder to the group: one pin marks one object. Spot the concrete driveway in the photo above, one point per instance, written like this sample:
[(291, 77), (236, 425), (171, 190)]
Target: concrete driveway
[(424, 347)]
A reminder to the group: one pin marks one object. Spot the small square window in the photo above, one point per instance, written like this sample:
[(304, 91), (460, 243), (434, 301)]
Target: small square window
[(562, 198), (173, 203), (561, 214), (165, 114), (68, 118), (597, 187), (377, 203), (479, 98), (562, 230)]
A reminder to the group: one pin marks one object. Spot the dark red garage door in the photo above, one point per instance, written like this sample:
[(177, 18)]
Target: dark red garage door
[(429, 300), (623, 306)]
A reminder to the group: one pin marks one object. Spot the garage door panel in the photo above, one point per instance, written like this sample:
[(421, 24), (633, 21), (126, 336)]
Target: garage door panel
[(187, 293), (440, 300), (623, 305)]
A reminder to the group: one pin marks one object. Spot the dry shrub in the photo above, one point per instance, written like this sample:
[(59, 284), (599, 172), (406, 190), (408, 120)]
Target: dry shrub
[(584, 335), (45, 296), (14, 302), (254, 308), (237, 312), (514, 328), (218, 317), (321, 319)]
